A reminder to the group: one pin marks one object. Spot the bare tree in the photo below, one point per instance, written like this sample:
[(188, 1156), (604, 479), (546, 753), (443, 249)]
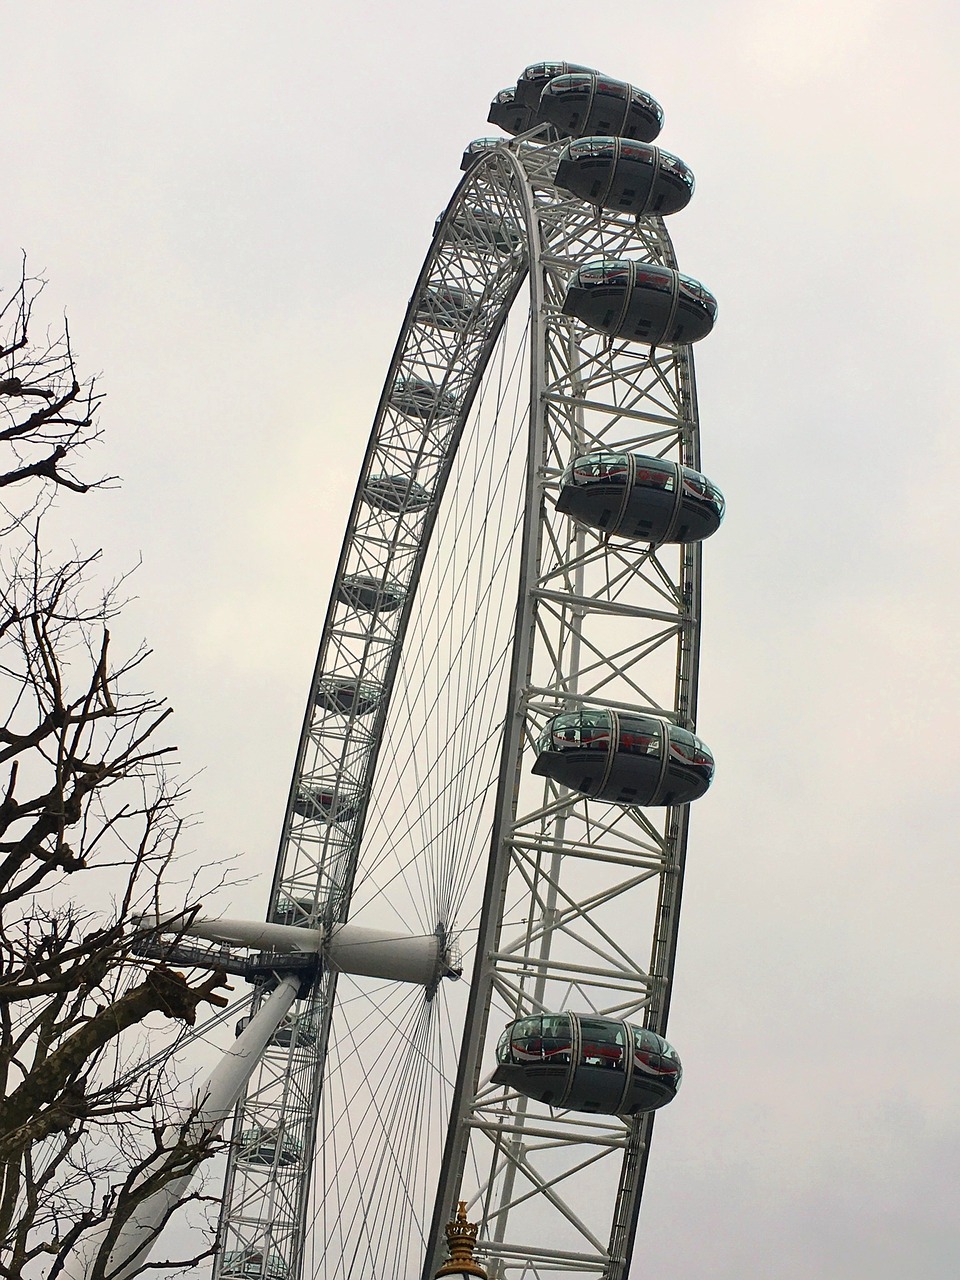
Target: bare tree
[(85, 789), (47, 415)]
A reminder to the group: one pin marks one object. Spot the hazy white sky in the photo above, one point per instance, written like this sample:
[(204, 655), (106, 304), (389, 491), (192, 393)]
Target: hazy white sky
[(232, 200)]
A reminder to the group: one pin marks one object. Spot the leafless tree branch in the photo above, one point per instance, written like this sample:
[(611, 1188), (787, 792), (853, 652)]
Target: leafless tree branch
[(84, 1131)]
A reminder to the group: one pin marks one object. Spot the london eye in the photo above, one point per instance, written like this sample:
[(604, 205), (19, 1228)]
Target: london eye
[(487, 825)]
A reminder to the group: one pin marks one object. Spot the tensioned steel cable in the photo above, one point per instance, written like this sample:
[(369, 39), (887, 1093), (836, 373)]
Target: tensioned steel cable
[(450, 753)]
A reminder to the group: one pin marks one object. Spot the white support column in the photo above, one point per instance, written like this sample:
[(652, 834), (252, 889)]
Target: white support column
[(212, 1104)]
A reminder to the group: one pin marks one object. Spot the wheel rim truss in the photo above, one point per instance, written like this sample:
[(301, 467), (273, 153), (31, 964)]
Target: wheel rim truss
[(265, 1206)]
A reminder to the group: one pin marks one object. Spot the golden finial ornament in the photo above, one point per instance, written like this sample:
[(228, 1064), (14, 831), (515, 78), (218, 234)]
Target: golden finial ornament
[(461, 1238)]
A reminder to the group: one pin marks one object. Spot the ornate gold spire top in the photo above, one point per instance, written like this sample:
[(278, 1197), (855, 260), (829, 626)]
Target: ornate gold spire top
[(461, 1238)]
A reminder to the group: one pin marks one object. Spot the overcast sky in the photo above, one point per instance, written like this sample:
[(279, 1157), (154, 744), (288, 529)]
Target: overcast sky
[(232, 201)]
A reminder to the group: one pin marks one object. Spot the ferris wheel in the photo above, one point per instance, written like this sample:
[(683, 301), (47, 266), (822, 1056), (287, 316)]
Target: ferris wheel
[(487, 825)]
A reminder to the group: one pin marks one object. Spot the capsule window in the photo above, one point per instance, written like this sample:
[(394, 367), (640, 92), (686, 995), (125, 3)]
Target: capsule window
[(557, 1039), (701, 294), (576, 730), (687, 747), (657, 475), (592, 149), (602, 271), (617, 275), (593, 730), (596, 467), (526, 1041), (637, 741), (716, 497), (644, 100), (639, 152), (648, 1040), (682, 744), (543, 71), (595, 274), (613, 465), (660, 278), (250, 1264), (601, 1044), (567, 85), (652, 1063), (653, 1055), (479, 145)]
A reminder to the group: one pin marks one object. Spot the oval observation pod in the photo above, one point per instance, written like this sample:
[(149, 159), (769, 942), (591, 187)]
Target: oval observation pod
[(508, 113), (252, 1264), (633, 496), (624, 757), (395, 493), (258, 1146), (416, 397), (583, 104), (485, 230), (324, 803), (298, 911), (447, 308), (623, 175), (300, 1031), (345, 696), (641, 302), (582, 1062), (369, 595), (533, 80), (479, 148)]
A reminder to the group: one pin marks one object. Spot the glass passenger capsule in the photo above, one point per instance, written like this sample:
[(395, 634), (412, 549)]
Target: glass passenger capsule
[(486, 230), (633, 496), (370, 595), (395, 493), (346, 696), (623, 175), (533, 80), (511, 115), (299, 1030), (416, 397), (324, 803), (582, 104), (625, 757), (252, 1264), (640, 301), (259, 1146), (296, 911), (477, 149), (586, 1063), (447, 308)]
